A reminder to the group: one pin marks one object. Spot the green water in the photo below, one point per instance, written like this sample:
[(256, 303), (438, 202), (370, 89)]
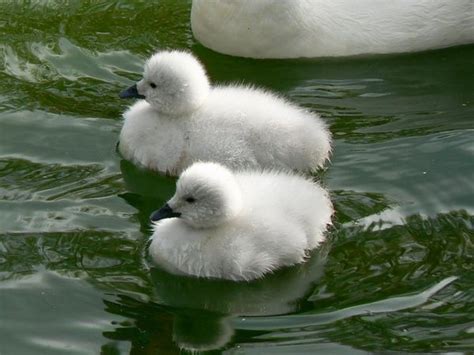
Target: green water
[(396, 275)]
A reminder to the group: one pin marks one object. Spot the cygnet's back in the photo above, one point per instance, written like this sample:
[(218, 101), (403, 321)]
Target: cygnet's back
[(287, 199), (258, 129)]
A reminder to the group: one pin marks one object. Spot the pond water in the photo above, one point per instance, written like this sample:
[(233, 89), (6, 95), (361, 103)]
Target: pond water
[(396, 274)]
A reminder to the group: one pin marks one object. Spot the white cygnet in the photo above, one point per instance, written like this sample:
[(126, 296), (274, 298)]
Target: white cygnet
[(184, 119), (238, 226), (330, 28)]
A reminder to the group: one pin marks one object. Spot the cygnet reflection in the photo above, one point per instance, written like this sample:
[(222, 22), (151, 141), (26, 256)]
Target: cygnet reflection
[(205, 307)]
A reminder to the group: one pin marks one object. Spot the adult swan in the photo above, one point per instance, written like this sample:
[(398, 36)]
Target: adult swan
[(330, 28)]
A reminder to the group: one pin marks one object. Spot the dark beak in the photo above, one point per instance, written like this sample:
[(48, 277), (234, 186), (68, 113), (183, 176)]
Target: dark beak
[(163, 212), (131, 92)]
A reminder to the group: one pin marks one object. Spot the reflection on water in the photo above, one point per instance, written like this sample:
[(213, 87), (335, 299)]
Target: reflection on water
[(391, 285), (396, 275), (200, 311), (278, 293)]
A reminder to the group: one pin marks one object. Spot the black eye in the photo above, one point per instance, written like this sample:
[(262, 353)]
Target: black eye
[(153, 85), (190, 199)]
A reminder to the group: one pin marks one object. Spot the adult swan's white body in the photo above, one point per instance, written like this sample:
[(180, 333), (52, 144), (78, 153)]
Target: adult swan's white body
[(330, 28)]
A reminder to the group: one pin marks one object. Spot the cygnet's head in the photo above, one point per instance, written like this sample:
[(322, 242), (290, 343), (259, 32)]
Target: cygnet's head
[(207, 195), (174, 83)]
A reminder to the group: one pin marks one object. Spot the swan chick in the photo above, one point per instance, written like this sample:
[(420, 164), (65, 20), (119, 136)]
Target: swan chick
[(181, 118), (238, 225)]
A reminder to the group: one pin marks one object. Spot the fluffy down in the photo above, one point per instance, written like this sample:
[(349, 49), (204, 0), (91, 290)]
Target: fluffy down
[(238, 226), (183, 120)]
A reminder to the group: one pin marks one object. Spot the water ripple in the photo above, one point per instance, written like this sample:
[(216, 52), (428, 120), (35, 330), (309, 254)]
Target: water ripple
[(338, 89), (392, 304), (73, 62)]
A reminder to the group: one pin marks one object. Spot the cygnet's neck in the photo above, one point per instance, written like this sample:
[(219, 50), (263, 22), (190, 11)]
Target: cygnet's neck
[(181, 106)]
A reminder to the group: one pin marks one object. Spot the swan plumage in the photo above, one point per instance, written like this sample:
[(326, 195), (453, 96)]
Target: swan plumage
[(238, 225), (184, 119), (330, 28)]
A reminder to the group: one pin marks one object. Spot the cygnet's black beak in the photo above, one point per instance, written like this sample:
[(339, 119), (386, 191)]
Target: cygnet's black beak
[(164, 212), (132, 91)]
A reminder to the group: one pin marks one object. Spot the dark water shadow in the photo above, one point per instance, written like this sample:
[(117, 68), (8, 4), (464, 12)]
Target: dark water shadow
[(146, 191), (196, 313)]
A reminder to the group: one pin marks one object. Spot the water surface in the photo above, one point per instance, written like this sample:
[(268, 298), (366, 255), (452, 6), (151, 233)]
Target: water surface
[(395, 276)]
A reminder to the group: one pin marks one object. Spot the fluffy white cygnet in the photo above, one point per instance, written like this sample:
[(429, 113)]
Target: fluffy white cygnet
[(238, 226), (330, 28), (184, 119)]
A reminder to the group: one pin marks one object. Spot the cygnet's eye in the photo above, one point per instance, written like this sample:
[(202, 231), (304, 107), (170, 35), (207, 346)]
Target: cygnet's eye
[(153, 85), (190, 200)]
